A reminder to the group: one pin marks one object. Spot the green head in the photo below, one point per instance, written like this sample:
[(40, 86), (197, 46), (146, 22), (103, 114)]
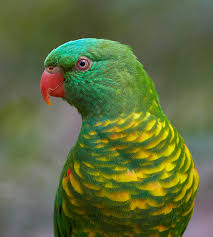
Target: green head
[(101, 78)]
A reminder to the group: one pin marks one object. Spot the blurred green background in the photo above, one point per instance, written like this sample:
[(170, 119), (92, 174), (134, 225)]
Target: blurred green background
[(174, 41)]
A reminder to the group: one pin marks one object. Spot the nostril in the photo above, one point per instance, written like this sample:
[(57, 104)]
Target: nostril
[(54, 69)]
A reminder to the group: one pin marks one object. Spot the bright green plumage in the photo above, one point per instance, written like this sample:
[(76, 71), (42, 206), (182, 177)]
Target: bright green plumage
[(130, 172)]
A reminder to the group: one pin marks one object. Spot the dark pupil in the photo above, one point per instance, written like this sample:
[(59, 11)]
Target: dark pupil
[(82, 63)]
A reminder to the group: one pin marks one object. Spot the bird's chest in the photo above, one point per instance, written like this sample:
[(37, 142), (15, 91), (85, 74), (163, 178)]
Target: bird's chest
[(99, 196), (115, 183)]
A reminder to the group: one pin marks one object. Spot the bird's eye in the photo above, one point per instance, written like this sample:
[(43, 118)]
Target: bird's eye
[(83, 64)]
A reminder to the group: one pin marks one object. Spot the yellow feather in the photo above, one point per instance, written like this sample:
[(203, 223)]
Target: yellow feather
[(171, 183), (138, 203), (75, 184), (155, 188), (150, 125), (132, 136), (185, 188), (115, 196), (91, 186), (196, 180), (156, 142), (142, 154), (77, 168), (92, 133), (164, 210), (162, 228)]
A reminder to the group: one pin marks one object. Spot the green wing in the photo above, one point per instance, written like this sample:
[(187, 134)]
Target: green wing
[(62, 224)]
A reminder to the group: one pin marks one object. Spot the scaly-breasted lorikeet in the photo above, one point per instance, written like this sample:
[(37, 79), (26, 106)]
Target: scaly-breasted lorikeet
[(130, 173)]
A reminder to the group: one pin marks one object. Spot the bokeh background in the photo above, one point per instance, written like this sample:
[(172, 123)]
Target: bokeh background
[(174, 41)]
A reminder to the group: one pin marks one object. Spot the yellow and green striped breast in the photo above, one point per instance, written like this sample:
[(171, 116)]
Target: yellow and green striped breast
[(131, 176)]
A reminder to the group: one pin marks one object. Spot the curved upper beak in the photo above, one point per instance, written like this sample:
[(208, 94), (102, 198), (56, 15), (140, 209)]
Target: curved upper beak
[(52, 83)]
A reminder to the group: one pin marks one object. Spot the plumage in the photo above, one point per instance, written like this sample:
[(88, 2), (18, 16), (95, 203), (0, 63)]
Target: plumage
[(130, 173)]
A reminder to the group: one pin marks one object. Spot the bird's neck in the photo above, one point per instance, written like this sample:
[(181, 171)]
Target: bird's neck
[(122, 106)]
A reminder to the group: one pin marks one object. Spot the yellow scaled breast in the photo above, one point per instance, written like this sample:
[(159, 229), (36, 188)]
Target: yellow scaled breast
[(138, 161)]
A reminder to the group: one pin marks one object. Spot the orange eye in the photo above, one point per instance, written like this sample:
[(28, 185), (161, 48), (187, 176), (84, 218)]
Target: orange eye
[(83, 64)]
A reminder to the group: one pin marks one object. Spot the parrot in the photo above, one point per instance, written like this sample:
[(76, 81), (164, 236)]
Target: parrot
[(130, 173)]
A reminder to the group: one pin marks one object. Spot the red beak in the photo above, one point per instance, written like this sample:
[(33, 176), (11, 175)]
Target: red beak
[(52, 83)]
